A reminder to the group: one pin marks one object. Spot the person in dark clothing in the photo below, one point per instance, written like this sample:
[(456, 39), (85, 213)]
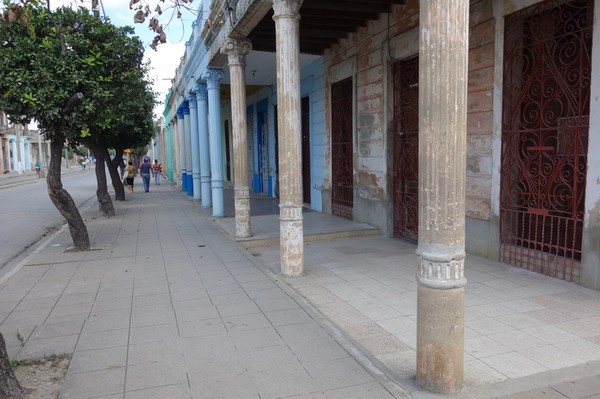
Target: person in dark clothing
[(145, 171)]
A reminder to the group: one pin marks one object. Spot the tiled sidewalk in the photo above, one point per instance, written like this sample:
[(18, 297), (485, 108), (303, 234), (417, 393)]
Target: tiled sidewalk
[(168, 306), (517, 323)]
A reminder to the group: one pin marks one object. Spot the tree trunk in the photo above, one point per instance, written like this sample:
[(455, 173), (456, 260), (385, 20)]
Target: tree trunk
[(115, 176), (105, 204), (62, 200), (9, 386)]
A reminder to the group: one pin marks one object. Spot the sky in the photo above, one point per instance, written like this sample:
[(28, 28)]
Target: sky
[(166, 59)]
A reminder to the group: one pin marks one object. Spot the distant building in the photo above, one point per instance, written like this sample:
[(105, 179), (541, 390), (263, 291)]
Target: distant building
[(21, 147)]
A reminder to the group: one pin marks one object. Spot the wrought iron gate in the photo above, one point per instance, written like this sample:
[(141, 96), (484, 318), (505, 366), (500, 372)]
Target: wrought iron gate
[(342, 188), (545, 136), (406, 149)]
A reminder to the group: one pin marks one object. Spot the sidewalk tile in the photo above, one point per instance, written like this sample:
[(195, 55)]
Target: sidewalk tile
[(37, 348), (199, 328), (51, 330), (154, 333), (514, 365), (370, 390), (93, 384), (341, 373), (103, 339), (178, 391), (583, 388), (153, 375), (98, 359)]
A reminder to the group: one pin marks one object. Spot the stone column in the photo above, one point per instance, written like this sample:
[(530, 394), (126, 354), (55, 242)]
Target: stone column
[(213, 79), (47, 160), (195, 147), (287, 29), (169, 153), (236, 50), (188, 147), (181, 145), (443, 57), (202, 99), (2, 154)]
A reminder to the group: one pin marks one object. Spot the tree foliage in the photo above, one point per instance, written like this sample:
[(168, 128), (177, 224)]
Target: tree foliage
[(67, 69)]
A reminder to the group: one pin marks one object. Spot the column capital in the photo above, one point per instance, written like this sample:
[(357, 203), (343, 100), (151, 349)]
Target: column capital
[(213, 77), (286, 9), (236, 50), (191, 99), (201, 91)]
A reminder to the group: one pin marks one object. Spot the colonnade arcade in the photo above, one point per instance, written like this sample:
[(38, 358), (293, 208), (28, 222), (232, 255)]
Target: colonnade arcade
[(440, 254)]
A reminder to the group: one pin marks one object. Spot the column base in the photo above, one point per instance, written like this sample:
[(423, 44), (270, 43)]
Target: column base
[(440, 339), (217, 199), (291, 241), (243, 227)]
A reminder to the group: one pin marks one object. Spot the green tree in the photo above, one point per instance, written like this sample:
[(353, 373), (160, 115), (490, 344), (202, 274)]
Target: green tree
[(131, 126), (64, 69)]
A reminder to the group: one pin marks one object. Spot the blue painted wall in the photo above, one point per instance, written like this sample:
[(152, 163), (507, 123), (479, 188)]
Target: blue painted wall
[(312, 85)]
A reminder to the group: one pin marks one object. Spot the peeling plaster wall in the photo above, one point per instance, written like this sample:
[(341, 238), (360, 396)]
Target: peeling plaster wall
[(376, 47)]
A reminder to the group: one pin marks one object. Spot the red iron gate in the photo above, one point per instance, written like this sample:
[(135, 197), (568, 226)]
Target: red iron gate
[(545, 136), (406, 149), (342, 187)]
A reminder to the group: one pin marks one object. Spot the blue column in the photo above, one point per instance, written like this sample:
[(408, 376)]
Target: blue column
[(188, 148), (213, 79), (202, 99), (195, 146), (181, 136)]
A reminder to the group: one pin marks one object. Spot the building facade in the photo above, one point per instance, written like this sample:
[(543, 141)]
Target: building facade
[(353, 139), (21, 148)]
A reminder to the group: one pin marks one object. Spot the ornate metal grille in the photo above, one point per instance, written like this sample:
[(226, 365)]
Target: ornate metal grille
[(545, 136), (406, 149), (342, 187)]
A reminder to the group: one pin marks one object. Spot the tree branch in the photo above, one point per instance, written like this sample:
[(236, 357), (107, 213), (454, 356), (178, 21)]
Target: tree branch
[(73, 102)]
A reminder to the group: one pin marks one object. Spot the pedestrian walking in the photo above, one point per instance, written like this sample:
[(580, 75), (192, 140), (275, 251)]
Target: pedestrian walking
[(145, 170), (156, 170), (129, 175)]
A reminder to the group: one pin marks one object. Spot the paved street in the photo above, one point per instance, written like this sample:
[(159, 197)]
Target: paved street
[(169, 305), (27, 212)]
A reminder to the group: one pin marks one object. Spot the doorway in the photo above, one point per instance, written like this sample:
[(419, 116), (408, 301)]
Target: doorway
[(406, 149), (342, 151), (545, 130)]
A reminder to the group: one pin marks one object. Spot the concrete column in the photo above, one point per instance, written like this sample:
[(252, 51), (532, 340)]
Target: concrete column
[(13, 145), (213, 79), (47, 160), (202, 99), (19, 153), (287, 27), (443, 57), (169, 151), (181, 145), (236, 50), (188, 148), (1, 154), (195, 147)]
